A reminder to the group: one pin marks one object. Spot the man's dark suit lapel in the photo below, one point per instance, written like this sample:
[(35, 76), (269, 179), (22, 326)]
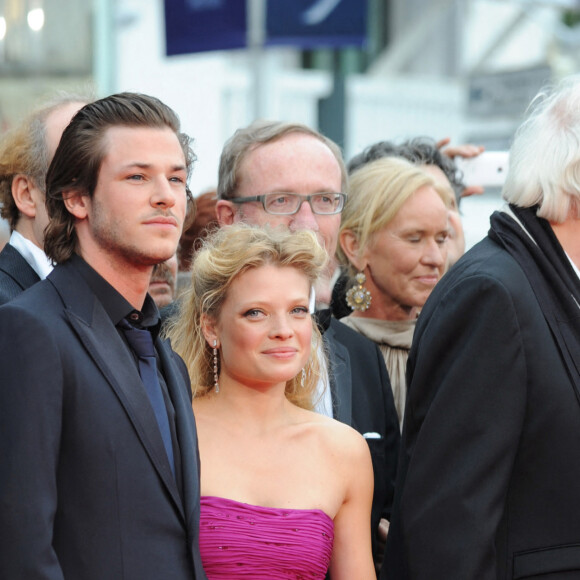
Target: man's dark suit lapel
[(102, 341), (184, 425), (13, 264), (340, 377)]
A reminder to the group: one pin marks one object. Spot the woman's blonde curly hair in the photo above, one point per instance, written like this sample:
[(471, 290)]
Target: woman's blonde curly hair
[(226, 253)]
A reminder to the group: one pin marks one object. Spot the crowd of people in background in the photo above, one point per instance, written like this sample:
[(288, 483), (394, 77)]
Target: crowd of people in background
[(299, 374)]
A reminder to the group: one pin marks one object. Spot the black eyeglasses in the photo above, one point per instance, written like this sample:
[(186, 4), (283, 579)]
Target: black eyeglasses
[(290, 203)]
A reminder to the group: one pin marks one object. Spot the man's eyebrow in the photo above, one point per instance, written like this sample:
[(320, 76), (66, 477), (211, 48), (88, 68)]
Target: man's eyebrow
[(143, 165)]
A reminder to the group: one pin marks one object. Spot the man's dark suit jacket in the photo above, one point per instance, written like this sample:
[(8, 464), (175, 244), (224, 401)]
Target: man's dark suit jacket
[(16, 274), (362, 398), (489, 473), (86, 490)]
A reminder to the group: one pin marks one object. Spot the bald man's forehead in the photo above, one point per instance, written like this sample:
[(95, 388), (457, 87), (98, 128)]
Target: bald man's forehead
[(57, 122)]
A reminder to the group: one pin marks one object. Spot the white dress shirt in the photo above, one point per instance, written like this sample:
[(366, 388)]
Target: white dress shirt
[(35, 257), (574, 266)]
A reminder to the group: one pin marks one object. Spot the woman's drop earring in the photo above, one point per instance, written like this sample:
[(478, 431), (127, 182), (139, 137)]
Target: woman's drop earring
[(358, 297), (303, 378), (215, 367)]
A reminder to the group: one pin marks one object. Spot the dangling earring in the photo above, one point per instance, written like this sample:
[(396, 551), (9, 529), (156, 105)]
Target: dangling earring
[(215, 367), (358, 297), (303, 378)]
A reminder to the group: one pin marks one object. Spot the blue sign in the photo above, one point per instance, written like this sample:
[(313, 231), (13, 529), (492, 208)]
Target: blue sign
[(315, 23), (202, 25)]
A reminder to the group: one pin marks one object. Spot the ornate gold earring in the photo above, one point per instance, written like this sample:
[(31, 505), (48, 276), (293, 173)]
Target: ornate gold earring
[(358, 297)]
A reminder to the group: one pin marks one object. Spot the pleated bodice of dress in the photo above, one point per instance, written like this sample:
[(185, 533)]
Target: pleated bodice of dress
[(239, 540)]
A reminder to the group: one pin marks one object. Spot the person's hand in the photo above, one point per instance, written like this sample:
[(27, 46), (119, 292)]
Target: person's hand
[(383, 530), (382, 533), (466, 151), (472, 190)]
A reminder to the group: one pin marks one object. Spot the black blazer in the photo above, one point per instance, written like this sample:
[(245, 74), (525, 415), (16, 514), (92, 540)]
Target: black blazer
[(16, 274), (362, 398), (85, 484), (489, 473)]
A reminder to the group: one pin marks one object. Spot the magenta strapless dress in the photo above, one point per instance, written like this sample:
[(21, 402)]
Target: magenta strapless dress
[(238, 540)]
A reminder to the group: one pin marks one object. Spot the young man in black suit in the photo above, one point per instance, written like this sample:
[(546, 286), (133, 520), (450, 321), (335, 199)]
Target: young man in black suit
[(489, 475), (25, 154), (290, 175), (99, 476)]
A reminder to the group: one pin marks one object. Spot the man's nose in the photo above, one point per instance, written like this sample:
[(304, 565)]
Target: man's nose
[(164, 195), (304, 219)]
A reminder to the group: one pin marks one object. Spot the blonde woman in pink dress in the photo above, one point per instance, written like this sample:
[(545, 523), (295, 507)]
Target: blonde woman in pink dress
[(286, 493)]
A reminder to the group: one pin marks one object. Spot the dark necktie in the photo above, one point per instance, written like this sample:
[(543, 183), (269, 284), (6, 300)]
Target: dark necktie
[(141, 342)]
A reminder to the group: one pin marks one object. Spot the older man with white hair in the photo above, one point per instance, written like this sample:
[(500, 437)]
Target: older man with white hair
[(488, 483)]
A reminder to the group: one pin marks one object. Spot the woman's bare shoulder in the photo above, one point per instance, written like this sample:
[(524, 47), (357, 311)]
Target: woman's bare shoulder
[(336, 436)]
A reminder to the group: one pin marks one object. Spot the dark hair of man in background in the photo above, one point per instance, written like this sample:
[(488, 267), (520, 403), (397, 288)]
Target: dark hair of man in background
[(419, 151)]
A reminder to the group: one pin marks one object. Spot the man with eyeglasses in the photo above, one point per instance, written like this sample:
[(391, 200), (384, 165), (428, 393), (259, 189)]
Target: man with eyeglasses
[(267, 168), (288, 174), (290, 203)]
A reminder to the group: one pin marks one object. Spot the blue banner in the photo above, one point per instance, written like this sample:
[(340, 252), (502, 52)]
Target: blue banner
[(202, 25), (316, 23)]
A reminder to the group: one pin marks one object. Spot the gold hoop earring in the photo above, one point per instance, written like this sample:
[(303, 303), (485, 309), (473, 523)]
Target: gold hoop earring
[(358, 297)]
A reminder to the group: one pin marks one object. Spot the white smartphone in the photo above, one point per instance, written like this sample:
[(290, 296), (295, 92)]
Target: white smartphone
[(489, 169)]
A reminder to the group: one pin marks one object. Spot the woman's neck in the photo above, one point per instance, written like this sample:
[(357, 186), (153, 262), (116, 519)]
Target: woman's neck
[(256, 408), (393, 312)]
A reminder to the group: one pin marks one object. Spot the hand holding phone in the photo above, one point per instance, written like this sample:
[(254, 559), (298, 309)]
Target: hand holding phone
[(489, 169)]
